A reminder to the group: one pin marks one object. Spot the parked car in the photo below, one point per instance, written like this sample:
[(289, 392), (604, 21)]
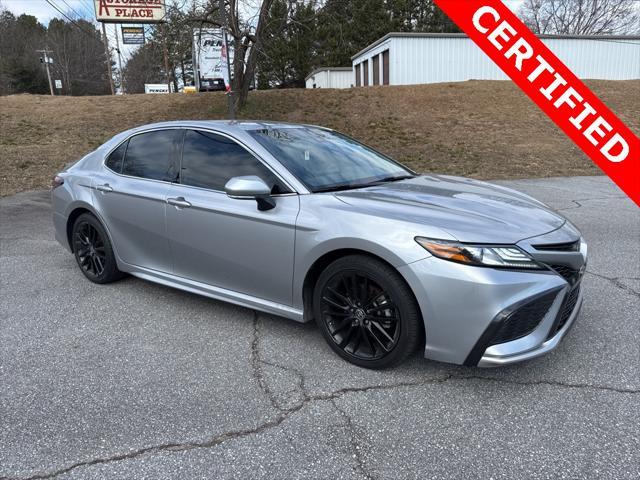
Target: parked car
[(307, 223)]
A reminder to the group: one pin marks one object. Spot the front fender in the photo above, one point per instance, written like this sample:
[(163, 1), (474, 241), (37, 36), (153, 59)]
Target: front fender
[(305, 261)]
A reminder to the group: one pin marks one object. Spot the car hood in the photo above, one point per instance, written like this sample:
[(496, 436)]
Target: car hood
[(469, 210)]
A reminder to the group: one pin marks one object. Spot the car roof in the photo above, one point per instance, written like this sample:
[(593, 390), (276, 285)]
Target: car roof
[(229, 126)]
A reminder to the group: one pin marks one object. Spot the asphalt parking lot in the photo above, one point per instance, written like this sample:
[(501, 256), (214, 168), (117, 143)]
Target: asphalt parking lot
[(135, 380)]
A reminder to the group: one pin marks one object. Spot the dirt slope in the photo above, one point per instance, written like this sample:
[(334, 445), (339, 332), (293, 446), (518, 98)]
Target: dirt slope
[(480, 129)]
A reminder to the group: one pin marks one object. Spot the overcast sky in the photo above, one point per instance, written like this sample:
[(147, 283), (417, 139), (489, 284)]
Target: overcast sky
[(44, 12)]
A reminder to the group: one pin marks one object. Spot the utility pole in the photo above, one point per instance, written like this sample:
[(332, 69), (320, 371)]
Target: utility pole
[(119, 60), (165, 53), (108, 54), (45, 59), (223, 21)]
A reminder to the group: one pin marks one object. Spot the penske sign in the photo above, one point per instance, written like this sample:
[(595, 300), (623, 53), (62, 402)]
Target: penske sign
[(130, 11)]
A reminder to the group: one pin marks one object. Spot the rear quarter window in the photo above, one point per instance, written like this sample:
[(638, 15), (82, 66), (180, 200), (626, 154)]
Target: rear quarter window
[(114, 160)]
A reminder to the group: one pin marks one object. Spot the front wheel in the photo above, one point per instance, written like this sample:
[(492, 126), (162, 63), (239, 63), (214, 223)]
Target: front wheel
[(93, 251), (366, 312)]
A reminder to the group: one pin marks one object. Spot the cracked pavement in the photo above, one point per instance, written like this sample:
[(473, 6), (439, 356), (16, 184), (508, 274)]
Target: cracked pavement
[(135, 380)]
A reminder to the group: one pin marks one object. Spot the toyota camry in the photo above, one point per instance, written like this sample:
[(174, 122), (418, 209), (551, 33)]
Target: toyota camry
[(307, 223)]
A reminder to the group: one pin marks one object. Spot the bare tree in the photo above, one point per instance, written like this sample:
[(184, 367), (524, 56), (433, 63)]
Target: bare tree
[(247, 34), (581, 17)]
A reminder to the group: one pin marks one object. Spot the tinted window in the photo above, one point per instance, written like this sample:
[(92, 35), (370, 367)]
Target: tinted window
[(114, 162), (210, 160), (152, 155)]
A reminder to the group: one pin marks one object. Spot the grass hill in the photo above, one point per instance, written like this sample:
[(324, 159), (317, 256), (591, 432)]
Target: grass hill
[(481, 129)]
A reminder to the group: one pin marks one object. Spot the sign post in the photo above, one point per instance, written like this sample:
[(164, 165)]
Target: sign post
[(127, 11), (119, 61), (108, 54)]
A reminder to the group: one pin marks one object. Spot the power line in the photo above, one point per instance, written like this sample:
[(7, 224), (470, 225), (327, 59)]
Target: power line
[(89, 8), (72, 9), (86, 32)]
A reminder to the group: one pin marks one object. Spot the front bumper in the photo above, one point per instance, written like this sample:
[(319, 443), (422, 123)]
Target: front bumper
[(464, 308), (493, 357)]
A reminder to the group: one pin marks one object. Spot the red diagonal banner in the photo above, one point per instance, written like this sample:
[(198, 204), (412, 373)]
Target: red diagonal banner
[(553, 87)]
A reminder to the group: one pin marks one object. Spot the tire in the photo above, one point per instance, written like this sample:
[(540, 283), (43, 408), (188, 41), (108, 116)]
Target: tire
[(366, 312), (93, 250)]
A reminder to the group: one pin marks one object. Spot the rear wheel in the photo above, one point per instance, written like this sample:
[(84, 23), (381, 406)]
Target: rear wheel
[(93, 250), (366, 312)]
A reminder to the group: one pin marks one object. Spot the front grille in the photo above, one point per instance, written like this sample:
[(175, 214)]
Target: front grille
[(569, 274), (524, 320), (559, 247), (566, 310)]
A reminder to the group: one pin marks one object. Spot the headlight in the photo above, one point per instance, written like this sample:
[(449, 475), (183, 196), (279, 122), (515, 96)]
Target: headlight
[(488, 256)]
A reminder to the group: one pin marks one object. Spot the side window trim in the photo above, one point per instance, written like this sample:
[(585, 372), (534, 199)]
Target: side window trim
[(244, 147), (179, 159)]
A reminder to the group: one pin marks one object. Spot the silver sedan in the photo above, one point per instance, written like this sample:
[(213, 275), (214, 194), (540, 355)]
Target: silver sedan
[(307, 223)]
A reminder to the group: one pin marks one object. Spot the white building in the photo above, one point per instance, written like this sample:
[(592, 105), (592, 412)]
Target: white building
[(330, 77), (413, 58)]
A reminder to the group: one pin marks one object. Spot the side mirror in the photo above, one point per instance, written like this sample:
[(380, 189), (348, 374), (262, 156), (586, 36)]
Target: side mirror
[(250, 187)]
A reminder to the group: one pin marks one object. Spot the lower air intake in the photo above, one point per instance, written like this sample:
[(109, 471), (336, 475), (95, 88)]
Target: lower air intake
[(524, 320)]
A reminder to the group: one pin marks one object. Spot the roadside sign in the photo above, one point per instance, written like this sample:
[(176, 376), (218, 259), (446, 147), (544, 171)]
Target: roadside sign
[(130, 11), (156, 88), (59, 84), (133, 35)]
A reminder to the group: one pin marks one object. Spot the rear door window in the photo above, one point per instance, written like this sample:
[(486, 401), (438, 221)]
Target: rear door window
[(210, 161), (153, 155)]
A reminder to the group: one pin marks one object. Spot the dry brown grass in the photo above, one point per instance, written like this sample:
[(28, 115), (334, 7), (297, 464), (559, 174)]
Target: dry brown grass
[(480, 129)]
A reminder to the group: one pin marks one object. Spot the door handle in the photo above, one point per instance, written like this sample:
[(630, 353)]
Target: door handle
[(179, 202), (104, 188)]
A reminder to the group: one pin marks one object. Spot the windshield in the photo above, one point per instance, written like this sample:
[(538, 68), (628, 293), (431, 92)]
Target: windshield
[(324, 160)]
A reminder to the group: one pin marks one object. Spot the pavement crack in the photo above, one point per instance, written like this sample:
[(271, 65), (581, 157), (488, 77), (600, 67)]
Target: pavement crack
[(617, 283), (256, 365), (301, 380), (356, 448), (171, 447), (552, 383), (285, 414)]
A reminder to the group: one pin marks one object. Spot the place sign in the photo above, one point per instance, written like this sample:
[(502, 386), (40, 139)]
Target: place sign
[(130, 11)]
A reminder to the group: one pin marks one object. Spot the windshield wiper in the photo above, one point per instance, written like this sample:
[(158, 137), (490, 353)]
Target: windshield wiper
[(390, 179), (338, 188), (352, 186)]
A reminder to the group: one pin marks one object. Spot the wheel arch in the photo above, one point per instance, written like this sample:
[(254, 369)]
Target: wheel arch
[(77, 209), (71, 220)]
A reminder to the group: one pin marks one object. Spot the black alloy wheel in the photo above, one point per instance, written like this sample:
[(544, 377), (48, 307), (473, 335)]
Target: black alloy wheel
[(93, 250), (89, 247), (366, 312), (360, 315)]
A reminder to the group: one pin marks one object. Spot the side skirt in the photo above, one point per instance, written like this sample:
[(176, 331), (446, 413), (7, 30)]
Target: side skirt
[(216, 293)]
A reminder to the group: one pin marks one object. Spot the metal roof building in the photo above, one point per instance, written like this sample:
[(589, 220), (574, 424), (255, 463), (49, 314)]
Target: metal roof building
[(330, 77), (414, 58)]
